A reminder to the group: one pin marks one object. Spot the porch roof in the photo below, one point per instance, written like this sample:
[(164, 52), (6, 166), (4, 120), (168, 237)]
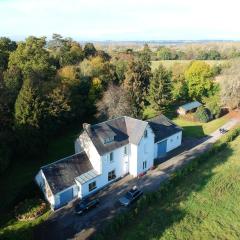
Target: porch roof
[(85, 177)]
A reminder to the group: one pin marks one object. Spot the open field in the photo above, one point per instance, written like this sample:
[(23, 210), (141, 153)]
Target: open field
[(168, 63), (203, 204)]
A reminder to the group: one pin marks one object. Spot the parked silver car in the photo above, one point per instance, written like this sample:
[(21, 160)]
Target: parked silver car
[(131, 196)]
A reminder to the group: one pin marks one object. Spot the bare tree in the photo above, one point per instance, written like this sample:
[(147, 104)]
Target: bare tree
[(230, 85), (115, 102)]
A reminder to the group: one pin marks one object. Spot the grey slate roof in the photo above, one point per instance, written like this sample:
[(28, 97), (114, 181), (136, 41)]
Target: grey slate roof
[(61, 174), (191, 105), (124, 129), (163, 127)]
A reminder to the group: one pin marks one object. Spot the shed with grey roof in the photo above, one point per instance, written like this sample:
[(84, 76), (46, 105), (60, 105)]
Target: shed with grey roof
[(188, 107)]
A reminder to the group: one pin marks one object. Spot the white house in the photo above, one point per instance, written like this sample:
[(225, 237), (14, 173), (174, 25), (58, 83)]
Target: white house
[(105, 152)]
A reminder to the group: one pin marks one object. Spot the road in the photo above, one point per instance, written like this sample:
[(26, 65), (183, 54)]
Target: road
[(64, 224)]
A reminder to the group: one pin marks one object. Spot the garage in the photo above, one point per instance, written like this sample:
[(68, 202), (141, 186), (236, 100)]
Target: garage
[(162, 148), (66, 196)]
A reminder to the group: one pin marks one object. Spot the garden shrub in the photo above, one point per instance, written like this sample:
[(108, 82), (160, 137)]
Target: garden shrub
[(30, 209), (202, 115)]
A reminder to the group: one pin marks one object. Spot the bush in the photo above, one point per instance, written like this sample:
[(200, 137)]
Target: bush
[(212, 103), (30, 209), (202, 115)]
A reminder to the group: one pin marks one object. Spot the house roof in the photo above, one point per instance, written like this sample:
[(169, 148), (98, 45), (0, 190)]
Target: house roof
[(61, 174), (163, 127), (191, 105), (124, 129)]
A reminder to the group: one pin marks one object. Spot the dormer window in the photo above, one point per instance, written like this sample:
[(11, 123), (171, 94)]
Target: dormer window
[(108, 140), (145, 134)]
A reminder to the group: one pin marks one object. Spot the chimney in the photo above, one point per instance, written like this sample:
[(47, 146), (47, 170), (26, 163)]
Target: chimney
[(86, 126)]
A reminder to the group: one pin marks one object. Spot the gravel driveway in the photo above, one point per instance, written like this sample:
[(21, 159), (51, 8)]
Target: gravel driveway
[(64, 224)]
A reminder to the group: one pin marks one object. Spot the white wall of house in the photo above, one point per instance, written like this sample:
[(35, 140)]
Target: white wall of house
[(91, 151), (84, 188), (42, 183), (146, 151), (133, 156), (118, 164), (173, 142)]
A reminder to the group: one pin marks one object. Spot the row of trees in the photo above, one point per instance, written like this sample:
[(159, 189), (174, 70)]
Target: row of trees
[(166, 53)]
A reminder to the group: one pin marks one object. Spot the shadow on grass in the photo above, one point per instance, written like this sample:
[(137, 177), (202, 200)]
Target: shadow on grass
[(193, 131), (164, 210)]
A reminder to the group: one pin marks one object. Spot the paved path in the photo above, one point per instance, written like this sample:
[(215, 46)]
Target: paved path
[(64, 224)]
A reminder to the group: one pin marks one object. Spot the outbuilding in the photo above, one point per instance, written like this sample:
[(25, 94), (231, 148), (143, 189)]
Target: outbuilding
[(188, 107)]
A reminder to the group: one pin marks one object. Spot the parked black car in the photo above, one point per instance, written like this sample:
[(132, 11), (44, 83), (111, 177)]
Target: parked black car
[(131, 196), (222, 130), (86, 205)]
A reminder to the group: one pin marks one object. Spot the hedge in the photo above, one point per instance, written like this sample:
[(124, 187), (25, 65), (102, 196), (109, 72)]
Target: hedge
[(122, 219)]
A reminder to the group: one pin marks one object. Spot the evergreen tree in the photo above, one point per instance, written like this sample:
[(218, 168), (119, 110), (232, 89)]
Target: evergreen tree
[(137, 84), (28, 106), (160, 89)]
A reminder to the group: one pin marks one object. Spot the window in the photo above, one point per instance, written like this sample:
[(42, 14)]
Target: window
[(111, 175), (145, 133), (92, 186), (111, 156), (125, 150), (144, 165)]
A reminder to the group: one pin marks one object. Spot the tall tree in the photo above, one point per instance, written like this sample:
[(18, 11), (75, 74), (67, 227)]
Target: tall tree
[(6, 47), (199, 80), (179, 85), (89, 50), (160, 89), (28, 106), (32, 59), (137, 84)]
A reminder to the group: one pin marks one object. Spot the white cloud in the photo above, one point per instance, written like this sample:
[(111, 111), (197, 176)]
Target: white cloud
[(125, 19)]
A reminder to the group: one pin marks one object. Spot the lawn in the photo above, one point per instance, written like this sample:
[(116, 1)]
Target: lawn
[(23, 186), (198, 129), (202, 205), (168, 63)]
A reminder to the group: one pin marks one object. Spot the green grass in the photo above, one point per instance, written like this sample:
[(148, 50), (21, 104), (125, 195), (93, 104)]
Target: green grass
[(203, 204), (168, 63), (18, 183), (198, 129)]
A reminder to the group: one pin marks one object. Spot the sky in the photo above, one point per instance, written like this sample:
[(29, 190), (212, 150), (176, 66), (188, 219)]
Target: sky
[(121, 19)]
